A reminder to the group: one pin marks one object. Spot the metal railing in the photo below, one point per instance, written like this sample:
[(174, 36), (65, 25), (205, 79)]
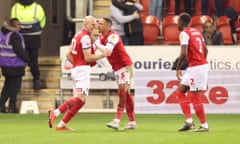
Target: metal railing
[(74, 19)]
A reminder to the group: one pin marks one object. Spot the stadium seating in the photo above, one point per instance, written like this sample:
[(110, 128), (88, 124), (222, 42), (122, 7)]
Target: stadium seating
[(170, 30), (171, 7), (235, 4), (225, 3), (211, 7), (145, 4), (151, 29), (197, 7), (198, 20), (223, 25), (237, 27)]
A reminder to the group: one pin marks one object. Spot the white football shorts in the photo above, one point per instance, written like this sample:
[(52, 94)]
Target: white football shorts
[(124, 75), (81, 79), (196, 77)]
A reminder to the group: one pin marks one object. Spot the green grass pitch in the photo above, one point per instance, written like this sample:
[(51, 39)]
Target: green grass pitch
[(90, 128)]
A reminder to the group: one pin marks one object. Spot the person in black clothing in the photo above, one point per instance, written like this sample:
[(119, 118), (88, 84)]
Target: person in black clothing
[(32, 17), (218, 5), (232, 14), (13, 60), (187, 6), (134, 29)]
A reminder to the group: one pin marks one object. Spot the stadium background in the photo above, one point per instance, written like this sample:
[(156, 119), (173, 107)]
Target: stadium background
[(60, 16)]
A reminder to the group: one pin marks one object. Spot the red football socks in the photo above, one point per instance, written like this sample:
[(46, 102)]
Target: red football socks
[(125, 101), (122, 102), (130, 107), (184, 104), (198, 106), (76, 104), (66, 105)]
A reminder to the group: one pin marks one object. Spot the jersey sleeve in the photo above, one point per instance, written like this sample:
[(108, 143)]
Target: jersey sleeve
[(184, 38), (86, 42), (113, 40)]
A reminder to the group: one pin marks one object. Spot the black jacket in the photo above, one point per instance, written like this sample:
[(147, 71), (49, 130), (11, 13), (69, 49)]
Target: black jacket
[(217, 38), (134, 29), (136, 24), (16, 42)]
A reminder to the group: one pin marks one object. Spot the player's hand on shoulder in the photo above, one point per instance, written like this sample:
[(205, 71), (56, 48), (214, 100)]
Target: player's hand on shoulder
[(98, 46)]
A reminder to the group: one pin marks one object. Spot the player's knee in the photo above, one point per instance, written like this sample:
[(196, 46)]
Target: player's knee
[(183, 88)]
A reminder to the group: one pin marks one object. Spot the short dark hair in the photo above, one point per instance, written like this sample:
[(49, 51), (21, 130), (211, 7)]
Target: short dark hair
[(108, 20), (185, 18), (12, 21)]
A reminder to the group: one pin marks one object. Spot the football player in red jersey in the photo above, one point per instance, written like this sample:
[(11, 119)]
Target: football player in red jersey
[(122, 66), (194, 79), (82, 57)]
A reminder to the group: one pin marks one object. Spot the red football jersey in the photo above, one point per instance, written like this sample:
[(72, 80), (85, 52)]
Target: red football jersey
[(196, 47), (119, 57), (80, 41)]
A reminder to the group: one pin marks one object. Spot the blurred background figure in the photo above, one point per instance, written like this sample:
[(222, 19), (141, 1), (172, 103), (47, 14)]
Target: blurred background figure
[(187, 6), (218, 5), (13, 59), (133, 29), (231, 13), (211, 35), (119, 19), (33, 20), (155, 8)]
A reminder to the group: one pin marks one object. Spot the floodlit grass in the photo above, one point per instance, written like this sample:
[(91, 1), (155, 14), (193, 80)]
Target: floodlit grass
[(91, 129)]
